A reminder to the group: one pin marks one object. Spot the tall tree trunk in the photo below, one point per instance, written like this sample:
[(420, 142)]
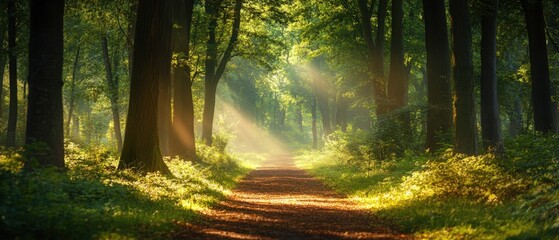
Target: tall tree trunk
[(112, 85), (44, 111), (300, 118), (539, 67), (321, 90), (490, 120), (140, 150), (397, 86), (3, 26), (164, 115), (72, 91), (313, 122), (465, 138), (342, 106), (12, 52), (515, 118), (213, 70), (183, 142), (375, 51), (439, 112)]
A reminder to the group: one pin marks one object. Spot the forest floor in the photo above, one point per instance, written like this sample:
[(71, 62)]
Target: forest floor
[(280, 201)]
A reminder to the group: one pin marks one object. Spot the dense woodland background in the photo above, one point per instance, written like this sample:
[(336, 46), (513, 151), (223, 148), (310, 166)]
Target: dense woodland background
[(463, 92)]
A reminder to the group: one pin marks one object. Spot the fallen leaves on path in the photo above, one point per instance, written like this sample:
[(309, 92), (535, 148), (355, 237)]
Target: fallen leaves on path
[(279, 201)]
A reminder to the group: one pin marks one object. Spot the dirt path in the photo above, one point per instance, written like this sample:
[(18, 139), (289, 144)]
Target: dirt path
[(280, 201)]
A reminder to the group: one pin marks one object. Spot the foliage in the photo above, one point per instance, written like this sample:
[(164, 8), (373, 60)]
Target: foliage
[(449, 195), (92, 200)]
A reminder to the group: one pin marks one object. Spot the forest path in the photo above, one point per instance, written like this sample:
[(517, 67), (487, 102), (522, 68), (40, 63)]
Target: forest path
[(280, 201)]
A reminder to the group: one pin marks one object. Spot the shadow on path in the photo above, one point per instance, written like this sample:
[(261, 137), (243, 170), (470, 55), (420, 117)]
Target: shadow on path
[(280, 201)]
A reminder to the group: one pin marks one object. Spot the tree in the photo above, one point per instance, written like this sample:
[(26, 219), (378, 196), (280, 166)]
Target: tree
[(465, 135), (397, 82), (73, 90), (112, 90), (183, 142), (539, 67), (439, 112), (140, 150), (213, 70), (3, 27), (490, 120), (12, 56), (44, 111), (375, 51)]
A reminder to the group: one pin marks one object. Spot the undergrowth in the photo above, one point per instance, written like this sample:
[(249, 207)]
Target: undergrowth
[(91, 200), (448, 195)]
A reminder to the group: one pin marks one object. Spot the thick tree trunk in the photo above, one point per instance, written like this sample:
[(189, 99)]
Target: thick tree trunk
[(12, 56), (183, 141), (539, 67), (72, 91), (464, 101), (3, 26), (140, 150), (490, 120), (164, 115), (44, 111), (439, 112), (112, 89)]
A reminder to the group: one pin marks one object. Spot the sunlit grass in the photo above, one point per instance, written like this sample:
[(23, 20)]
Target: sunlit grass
[(93, 200), (445, 197)]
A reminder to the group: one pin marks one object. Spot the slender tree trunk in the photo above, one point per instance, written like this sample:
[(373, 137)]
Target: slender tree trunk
[(213, 70), (515, 117), (3, 26), (140, 150), (490, 120), (183, 142), (397, 86), (75, 126), (439, 112), (112, 84), (72, 91), (321, 89), (300, 118), (375, 51), (539, 67), (464, 100), (313, 122), (342, 106), (44, 111), (12, 117)]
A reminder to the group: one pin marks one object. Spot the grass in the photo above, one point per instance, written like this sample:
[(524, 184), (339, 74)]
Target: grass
[(93, 201), (448, 196)]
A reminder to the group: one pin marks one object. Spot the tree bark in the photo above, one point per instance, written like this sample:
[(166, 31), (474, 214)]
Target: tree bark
[(490, 120), (12, 56), (164, 115), (313, 122), (375, 52), (539, 66), (183, 142), (342, 106), (72, 91), (140, 150), (397, 86), (112, 85), (439, 112), (214, 71), (465, 138), (3, 26), (44, 111)]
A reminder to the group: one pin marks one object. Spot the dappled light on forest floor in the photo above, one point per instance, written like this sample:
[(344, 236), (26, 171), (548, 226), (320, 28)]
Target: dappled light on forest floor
[(279, 201)]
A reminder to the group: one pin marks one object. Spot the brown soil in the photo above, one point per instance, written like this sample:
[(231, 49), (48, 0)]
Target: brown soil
[(280, 201)]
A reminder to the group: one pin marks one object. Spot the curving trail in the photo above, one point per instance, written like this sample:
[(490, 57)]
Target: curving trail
[(280, 201)]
